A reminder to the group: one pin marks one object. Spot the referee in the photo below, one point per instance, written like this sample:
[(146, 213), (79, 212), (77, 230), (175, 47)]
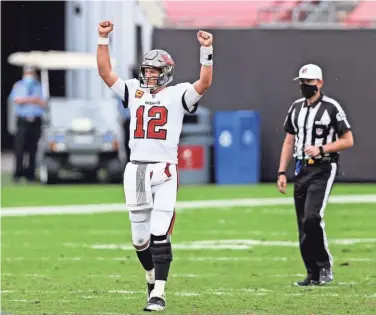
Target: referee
[(316, 130)]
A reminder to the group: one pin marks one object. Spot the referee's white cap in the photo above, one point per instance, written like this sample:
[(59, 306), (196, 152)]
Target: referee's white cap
[(310, 71)]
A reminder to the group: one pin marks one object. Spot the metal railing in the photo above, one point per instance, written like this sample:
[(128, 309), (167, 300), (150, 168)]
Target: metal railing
[(304, 15), (371, 24), (155, 11), (323, 15)]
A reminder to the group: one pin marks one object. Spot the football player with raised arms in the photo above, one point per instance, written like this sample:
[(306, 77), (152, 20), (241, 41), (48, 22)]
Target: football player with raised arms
[(151, 177)]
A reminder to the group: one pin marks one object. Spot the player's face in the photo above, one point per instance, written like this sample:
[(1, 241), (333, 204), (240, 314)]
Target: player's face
[(29, 74), (151, 74)]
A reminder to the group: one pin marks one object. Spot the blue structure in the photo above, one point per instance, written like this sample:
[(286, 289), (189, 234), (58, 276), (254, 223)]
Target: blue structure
[(237, 147)]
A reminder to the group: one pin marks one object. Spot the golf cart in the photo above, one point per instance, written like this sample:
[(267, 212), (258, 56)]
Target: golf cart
[(80, 137)]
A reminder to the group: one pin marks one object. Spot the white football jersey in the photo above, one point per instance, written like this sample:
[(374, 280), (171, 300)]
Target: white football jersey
[(156, 119)]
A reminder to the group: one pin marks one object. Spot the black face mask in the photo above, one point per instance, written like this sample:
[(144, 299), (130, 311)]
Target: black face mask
[(308, 90)]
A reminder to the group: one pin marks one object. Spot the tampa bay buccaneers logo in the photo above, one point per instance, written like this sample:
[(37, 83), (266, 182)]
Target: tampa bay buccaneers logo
[(167, 59)]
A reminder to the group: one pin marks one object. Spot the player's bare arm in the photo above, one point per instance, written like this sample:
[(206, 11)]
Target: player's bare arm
[(206, 59), (103, 54)]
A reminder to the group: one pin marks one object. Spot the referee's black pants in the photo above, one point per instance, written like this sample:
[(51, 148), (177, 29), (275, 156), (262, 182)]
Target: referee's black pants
[(312, 187)]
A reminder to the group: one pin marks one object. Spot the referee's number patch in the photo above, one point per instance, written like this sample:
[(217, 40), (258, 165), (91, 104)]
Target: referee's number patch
[(341, 116)]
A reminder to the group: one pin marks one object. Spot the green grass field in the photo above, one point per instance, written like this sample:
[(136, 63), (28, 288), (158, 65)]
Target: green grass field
[(227, 260)]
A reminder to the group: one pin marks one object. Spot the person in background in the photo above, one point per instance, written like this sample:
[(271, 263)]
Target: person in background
[(26, 95)]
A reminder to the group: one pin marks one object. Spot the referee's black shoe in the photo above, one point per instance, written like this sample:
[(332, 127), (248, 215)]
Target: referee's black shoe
[(309, 280)]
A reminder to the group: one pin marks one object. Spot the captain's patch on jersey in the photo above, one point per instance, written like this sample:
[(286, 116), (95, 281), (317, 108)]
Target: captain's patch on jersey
[(139, 93)]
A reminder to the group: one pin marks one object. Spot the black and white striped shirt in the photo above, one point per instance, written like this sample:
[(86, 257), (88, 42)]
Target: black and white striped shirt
[(315, 124)]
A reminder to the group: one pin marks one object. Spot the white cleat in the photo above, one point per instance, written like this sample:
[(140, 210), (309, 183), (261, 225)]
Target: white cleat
[(150, 288), (156, 303)]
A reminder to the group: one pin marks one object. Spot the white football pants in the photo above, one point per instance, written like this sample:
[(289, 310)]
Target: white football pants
[(160, 220)]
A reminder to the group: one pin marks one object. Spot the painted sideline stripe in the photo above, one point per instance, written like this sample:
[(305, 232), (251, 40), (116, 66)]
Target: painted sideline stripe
[(195, 259), (180, 205), (234, 244), (223, 291)]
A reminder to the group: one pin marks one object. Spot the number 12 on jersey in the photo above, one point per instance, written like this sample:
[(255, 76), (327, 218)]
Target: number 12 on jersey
[(158, 118)]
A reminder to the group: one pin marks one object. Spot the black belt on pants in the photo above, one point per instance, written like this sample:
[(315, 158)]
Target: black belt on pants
[(143, 162), (315, 162)]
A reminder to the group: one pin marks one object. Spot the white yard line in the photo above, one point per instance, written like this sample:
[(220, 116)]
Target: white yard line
[(184, 275), (125, 232), (194, 259), (233, 258), (220, 292), (172, 275), (33, 275), (287, 275), (181, 205), (67, 313), (233, 244), (359, 259), (186, 294), (175, 275), (126, 292)]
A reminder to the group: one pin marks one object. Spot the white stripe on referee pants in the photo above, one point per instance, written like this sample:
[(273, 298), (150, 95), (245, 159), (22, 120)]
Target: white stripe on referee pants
[(329, 185)]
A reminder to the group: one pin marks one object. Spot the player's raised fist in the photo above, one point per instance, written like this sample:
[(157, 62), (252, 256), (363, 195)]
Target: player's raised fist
[(105, 28), (205, 38)]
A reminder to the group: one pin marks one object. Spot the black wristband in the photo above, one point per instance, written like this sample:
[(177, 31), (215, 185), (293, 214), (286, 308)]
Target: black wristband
[(281, 173), (321, 150)]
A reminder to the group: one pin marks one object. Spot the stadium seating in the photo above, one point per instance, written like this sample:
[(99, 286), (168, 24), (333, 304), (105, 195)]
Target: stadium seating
[(363, 15), (225, 13), (282, 11), (245, 14)]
